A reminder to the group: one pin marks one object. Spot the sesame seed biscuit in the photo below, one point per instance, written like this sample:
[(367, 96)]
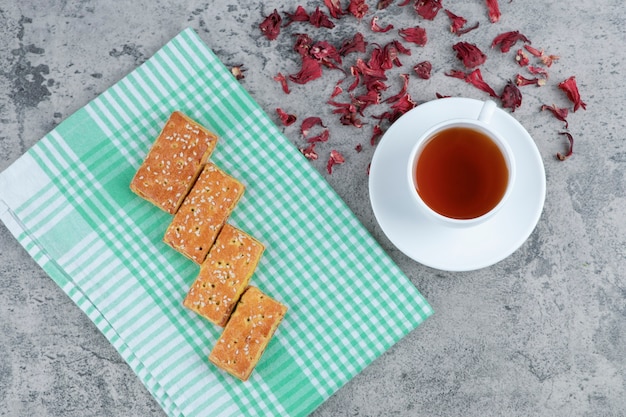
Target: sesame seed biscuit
[(204, 212), (247, 333), (174, 162), (224, 275)]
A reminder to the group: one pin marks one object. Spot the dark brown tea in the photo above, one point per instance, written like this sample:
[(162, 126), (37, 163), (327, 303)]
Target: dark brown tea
[(461, 173)]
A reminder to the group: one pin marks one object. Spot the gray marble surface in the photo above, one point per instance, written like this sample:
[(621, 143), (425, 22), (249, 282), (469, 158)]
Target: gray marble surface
[(541, 333)]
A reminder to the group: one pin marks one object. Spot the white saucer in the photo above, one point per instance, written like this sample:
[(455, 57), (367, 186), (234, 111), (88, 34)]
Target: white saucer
[(429, 242)]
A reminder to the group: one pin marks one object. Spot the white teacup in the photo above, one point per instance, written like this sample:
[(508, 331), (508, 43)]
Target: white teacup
[(464, 181)]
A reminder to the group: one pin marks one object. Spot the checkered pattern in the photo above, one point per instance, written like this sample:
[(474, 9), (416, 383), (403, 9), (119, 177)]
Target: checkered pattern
[(68, 202)]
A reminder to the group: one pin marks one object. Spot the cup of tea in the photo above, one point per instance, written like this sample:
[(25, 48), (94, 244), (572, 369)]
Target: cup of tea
[(461, 171)]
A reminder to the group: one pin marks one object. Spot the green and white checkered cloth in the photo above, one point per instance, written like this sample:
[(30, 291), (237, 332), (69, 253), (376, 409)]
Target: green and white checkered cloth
[(68, 202)]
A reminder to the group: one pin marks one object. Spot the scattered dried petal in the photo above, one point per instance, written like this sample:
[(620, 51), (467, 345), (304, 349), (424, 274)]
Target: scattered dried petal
[(405, 85), (476, 79), (375, 28), (469, 54), (311, 70), (533, 51), (237, 71), (309, 152), (335, 158), (337, 90), (416, 35), (439, 95), (334, 8), (559, 113), (300, 15), (270, 26), (308, 123), (571, 89), (322, 137), (287, 119), (507, 39), (468, 29), (511, 96), (428, 9), (283, 82), (521, 58), (423, 69), (570, 151), (358, 147), (324, 52), (303, 44), (457, 21), (493, 10), (320, 19), (538, 71), (405, 104), (358, 8), (356, 44), (522, 81), (377, 133), (548, 60)]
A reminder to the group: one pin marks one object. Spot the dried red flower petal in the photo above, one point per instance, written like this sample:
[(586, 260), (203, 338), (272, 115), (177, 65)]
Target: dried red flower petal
[(358, 147), (571, 89), (493, 10), (325, 53), (476, 79), (337, 90), (570, 151), (383, 4), (439, 95), (376, 28), (356, 44), (423, 69), (283, 82), (287, 119), (309, 152), (456, 74), (522, 81), (365, 100), (358, 8), (237, 71), (559, 113), (402, 92), (534, 51), (334, 8), (308, 123), (428, 9), (300, 15), (311, 70), (404, 104), (377, 133), (405, 3), (350, 119), (334, 159), (457, 21), (469, 54), (322, 137), (507, 39), (468, 29), (521, 58), (538, 71), (511, 96), (270, 26), (548, 60), (303, 44), (320, 19), (416, 35)]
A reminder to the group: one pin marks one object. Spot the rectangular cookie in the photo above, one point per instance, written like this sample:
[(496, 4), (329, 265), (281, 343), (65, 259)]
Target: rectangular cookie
[(203, 213), (224, 275), (174, 162), (247, 333)]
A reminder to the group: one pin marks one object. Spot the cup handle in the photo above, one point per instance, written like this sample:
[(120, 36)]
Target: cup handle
[(487, 111)]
